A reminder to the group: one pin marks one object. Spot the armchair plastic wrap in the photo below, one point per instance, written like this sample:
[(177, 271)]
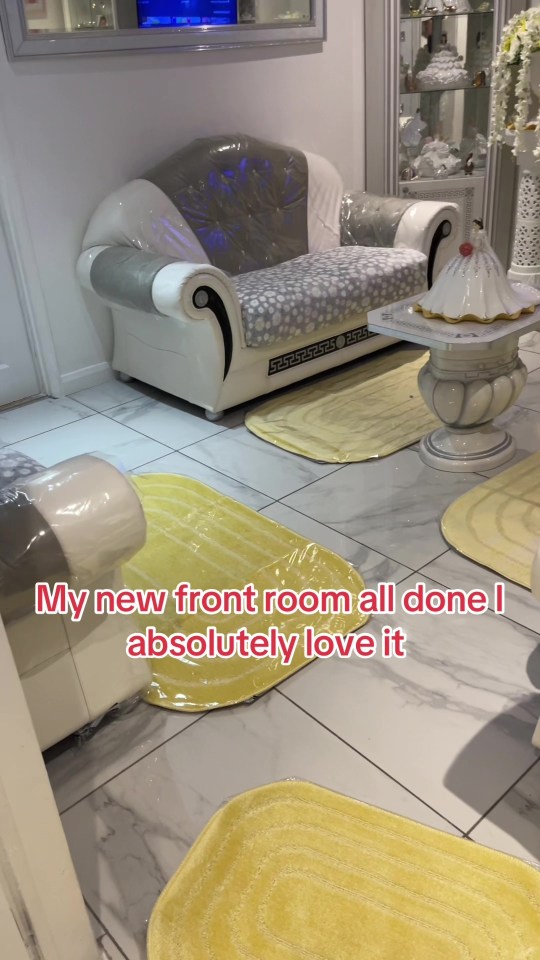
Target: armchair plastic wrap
[(371, 221), (195, 258), (69, 524)]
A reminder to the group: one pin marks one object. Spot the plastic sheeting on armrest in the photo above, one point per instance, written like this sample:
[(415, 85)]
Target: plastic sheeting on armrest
[(371, 221), (72, 522)]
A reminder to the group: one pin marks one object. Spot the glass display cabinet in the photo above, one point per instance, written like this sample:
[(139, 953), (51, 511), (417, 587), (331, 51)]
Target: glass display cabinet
[(433, 87)]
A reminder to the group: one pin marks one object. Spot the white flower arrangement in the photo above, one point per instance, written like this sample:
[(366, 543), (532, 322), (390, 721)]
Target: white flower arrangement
[(519, 41)]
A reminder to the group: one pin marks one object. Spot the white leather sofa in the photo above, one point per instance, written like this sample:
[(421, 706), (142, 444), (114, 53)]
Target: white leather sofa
[(237, 267)]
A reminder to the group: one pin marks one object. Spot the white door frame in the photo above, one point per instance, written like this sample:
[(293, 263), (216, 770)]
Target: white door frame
[(38, 885), (33, 307), (12, 940)]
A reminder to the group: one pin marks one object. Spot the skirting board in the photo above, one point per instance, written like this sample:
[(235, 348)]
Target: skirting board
[(86, 377)]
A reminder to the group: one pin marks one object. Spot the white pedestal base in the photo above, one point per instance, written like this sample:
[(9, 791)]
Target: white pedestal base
[(467, 388), (467, 451)]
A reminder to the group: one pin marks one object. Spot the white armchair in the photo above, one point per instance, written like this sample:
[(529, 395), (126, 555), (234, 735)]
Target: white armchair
[(237, 267)]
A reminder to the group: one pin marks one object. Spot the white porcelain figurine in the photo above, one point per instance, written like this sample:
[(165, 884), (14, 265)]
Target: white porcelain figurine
[(474, 286), (445, 71)]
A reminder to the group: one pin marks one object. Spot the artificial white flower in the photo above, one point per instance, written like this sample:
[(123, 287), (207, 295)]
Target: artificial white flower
[(520, 39)]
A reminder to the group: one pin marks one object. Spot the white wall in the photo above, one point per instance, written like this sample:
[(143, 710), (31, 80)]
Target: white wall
[(76, 129)]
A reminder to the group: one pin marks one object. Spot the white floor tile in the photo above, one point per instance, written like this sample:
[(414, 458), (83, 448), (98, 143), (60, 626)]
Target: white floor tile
[(97, 434), (165, 423), (109, 394), (453, 722), (513, 826), (128, 838), (453, 570), (78, 770), (392, 505), (19, 423), (187, 467), (524, 425), (530, 397), (531, 360), (531, 341), (245, 457), (373, 566)]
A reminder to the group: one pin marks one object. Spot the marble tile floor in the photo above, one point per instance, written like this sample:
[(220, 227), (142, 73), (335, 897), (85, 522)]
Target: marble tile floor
[(443, 737)]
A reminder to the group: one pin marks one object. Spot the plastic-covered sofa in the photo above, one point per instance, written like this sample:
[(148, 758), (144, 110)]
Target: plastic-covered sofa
[(236, 267)]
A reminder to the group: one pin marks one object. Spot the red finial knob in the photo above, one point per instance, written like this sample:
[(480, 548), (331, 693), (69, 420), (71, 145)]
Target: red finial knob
[(466, 249)]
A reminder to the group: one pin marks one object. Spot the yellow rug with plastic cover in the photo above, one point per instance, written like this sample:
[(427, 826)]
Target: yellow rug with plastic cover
[(199, 536), (361, 414), (498, 523), (294, 872)]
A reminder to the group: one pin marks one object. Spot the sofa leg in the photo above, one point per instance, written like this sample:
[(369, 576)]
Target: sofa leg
[(212, 416), (124, 377)]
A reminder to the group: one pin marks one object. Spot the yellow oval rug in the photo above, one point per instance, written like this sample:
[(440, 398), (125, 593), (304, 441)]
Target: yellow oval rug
[(199, 536), (360, 414), (497, 524), (291, 871)]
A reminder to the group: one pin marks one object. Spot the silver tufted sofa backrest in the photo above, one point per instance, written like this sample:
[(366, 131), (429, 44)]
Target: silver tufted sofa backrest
[(244, 199)]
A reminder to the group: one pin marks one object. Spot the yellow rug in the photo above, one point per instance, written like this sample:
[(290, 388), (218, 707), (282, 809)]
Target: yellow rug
[(201, 537), (362, 414), (295, 872), (498, 523)]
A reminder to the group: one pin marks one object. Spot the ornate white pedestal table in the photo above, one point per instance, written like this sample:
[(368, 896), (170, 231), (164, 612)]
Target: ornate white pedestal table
[(473, 375)]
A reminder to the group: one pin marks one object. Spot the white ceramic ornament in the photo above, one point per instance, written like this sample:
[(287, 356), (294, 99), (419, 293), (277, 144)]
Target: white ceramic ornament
[(474, 286)]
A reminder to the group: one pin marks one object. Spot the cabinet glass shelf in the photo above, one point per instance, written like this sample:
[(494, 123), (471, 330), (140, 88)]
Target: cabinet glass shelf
[(419, 18), (423, 93), (460, 175)]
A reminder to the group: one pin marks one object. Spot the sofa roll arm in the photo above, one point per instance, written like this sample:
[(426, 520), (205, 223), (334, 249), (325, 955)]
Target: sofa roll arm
[(155, 284), (371, 221), (430, 226)]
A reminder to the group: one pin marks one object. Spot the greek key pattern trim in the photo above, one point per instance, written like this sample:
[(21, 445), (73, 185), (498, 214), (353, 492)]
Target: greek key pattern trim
[(463, 196), (320, 349)]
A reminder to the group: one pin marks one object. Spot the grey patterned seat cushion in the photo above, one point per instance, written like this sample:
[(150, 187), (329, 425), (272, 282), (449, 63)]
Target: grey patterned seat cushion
[(322, 289), (16, 466)]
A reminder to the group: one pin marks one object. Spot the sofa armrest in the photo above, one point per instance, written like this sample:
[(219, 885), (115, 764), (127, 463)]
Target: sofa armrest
[(370, 221), (151, 283), (429, 226)]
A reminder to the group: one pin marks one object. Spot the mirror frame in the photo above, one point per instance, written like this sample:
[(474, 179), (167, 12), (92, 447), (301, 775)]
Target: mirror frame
[(20, 44)]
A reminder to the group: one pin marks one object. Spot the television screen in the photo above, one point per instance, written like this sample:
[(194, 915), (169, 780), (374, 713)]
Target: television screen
[(186, 13)]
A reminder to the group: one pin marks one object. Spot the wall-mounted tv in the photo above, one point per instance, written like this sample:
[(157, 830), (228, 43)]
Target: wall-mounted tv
[(186, 13)]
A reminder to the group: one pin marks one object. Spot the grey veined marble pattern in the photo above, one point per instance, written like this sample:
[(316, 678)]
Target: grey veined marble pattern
[(453, 722), (443, 737), (513, 826), (454, 571), (391, 505), (258, 464), (129, 837)]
